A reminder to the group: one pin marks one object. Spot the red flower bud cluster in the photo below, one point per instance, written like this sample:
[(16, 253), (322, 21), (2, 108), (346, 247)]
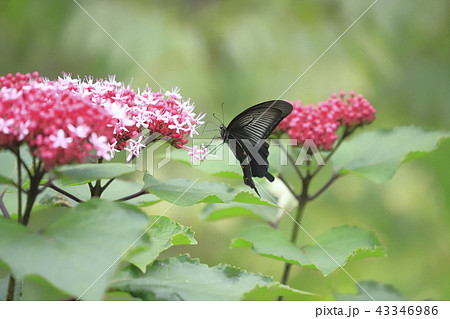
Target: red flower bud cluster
[(320, 123), (354, 110)]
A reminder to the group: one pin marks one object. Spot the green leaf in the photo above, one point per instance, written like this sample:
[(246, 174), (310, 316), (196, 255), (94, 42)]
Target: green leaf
[(84, 173), (5, 180), (119, 296), (184, 192), (71, 248), (376, 290), (340, 244), (377, 155), (36, 288), (183, 278), (162, 234), (146, 203), (251, 198), (271, 291), (213, 212)]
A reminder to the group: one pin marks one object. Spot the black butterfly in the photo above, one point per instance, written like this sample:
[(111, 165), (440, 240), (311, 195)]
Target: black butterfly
[(246, 136)]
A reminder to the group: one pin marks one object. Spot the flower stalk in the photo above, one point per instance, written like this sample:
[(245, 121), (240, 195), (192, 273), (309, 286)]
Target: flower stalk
[(320, 124)]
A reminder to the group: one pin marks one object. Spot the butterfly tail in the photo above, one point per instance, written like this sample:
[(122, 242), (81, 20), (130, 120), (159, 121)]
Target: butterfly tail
[(256, 190), (249, 182), (269, 177)]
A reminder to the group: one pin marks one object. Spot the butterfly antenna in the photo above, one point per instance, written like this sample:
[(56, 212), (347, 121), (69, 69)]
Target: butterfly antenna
[(214, 114), (223, 114)]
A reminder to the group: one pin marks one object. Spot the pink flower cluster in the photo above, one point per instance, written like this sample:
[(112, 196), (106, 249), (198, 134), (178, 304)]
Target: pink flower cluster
[(58, 127), (66, 120), (321, 123), (139, 118), (354, 110), (310, 122)]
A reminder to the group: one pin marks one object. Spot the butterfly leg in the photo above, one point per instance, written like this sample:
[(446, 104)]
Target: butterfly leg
[(247, 170)]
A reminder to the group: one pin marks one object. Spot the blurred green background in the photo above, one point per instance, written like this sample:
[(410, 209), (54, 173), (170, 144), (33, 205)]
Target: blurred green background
[(241, 53)]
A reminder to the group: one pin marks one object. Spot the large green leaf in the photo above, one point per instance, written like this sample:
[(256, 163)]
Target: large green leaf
[(163, 234), (273, 290), (183, 278), (83, 173), (376, 290), (213, 212), (339, 243), (184, 192), (71, 248), (37, 288), (377, 155)]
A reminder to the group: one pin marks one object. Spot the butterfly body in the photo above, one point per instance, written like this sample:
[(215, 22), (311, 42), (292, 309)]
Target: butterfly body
[(246, 136)]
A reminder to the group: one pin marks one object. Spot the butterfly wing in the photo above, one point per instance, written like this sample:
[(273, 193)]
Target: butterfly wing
[(249, 130), (257, 122), (241, 154)]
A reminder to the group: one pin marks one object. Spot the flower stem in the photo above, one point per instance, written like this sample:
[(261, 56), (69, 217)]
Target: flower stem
[(302, 201), (294, 236), (96, 191), (19, 183), (140, 193), (33, 192), (104, 187), (12, 280), (346, 133), (3, 207), (63, 192)]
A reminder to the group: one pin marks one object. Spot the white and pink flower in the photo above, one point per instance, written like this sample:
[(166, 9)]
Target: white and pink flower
[(139, 114), (70, 120)]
